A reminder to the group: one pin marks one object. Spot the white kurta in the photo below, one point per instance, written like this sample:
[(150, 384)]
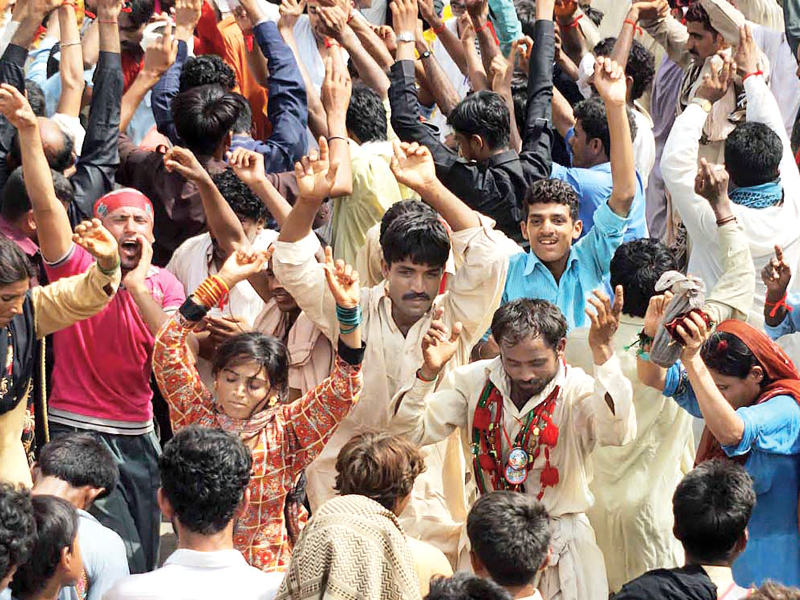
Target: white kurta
[(584, 420)]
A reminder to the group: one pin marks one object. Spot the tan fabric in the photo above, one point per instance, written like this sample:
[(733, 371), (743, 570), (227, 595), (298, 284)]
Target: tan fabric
[(352, 549), (429, 562), (437, 509), (369, 257)]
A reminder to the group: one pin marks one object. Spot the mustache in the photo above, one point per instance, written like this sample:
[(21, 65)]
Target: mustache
[(413, 296)]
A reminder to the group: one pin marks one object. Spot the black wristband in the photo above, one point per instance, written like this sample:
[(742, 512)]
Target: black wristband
[(193, 311), (352, 356)]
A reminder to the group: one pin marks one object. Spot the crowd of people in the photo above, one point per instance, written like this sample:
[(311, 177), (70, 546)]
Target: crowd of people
[(392, 300)]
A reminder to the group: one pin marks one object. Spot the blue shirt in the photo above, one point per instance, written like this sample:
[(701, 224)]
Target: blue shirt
[(771, 441), (594, 187), (587, 266), (791, 320)]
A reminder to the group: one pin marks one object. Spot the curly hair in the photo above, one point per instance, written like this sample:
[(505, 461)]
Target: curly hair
[(641, 65), (637, 266), (206, 69), (465, 586), (240, 197), (366, 115), (204, 475), (17, 527), (775, 591), (592, 115), (401, 208), (553, 191), (141, 11), (380, 466), (753, 153)]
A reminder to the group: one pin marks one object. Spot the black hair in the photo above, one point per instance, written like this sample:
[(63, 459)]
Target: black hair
[(244, 124), (485, 114), (553, 191), (465, 586), (526, 13), (56, 529), (204, 474), (140, 11), (524, 317), (510, 534), (727, 354), (206, 69), (240, 197), (80, 459), (697, 14), (401, 208), (59, 157), (15, 195), (35, 95), (641, 65), (366, 115), (519, 95), (753, 154), (14, 264), (204, 115), (712, 506), (17, 527), (422, 239), (592, 115), (265, 350), (637, 266)]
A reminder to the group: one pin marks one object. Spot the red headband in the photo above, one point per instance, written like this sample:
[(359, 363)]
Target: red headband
[(121, 198)]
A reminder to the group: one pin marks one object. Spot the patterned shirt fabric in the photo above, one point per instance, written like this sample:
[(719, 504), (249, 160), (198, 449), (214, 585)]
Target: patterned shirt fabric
[(291, 436)]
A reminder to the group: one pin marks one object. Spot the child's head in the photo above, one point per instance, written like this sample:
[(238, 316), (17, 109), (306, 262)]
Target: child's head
[(509, 534), (55, 553), (551, 219)]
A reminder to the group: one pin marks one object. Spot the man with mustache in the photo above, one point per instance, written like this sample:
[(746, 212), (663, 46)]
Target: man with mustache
[(528, 422)]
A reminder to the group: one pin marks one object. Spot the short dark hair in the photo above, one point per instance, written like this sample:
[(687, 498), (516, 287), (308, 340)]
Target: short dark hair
[(204, 115), (381, 466), (80, 459), (637, 266), (592, 116), (422, 239), (58, 157), (56, 529), (553, 191), (485, 114), (753, 154), (465, 586), (266, 350), (641, 65), (510, 534), (404, 207), (240, 197), (366, 115), (15, 195), (244, 124), (140, 11), (204, 474), (770, 590), (17, 527), (729, 355), (524, 317), (206, 69), (712, 506), (14, 264), (35, 95), (697, 14)]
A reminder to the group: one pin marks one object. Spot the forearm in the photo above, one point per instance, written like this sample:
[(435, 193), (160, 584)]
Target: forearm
[(444, 94), (299, 220), (515, 140), (26, 31), (475, 71), (151, 312), (452, 45), (563, 117), (372, 43), (257, 64), (457, 214), (90, 45), (221, 220), (71, 65), (368, 70), (487, 43), (339, 149), (622, 47), (651, 374), (166, 88), (719, 416), (109, 34), (572, 41), (131, 100), (276, 204), (623, 171)]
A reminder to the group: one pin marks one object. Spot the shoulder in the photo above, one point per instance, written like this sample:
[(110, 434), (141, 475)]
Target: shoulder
[(142, 587), (76, 261), (779, 408)]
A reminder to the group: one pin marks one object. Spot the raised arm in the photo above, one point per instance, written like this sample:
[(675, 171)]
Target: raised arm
[(444, 94), (449, 39), (478, 11), (502, 73), (475, 71), (656, 18), (71, 65), (336, 90), (609, 80), (53, 227)]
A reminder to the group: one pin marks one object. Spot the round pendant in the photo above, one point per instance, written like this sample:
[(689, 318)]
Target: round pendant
[(516, 468), (516, 476)]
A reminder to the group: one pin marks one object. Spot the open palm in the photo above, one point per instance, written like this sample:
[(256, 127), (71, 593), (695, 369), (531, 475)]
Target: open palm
[(412, 165), (315, 175), (439, 345), (97, 241)]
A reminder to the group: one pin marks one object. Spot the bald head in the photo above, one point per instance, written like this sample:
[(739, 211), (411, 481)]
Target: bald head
[(58, 146)]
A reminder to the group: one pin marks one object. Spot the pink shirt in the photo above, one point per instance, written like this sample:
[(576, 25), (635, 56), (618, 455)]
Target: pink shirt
[(103, 364)]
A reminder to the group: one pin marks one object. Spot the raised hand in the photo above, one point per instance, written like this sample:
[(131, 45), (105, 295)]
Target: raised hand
[(605, 322), (222, 328), (694, 332), (41, 8), (655, 313), (134, 279), (337, 85), (184, 162), (342, 280), (412, 165), (248, 166), (290, 11), (315, 175), (776, 275), (97, 241), (333, 21), (467, 30), (388, 38), (243, 264), (16, 108), (160, 56), (187, 15), (565, 9), (109, 9), (478, 10), (404, 15), (609, 80), (715, 85), (521, 51), (712, 183), (438, 346), (747, 54), (501, 72), (651, 10)]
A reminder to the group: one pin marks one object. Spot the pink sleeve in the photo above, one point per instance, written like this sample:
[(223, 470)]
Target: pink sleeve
[(75, 262), (172, 290)]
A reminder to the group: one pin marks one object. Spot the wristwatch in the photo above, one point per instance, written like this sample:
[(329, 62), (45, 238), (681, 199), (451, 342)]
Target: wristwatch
[(406, 36), (702, 103)]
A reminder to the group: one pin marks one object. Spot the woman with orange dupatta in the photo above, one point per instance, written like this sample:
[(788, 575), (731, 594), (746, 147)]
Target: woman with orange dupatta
[(748, 392)]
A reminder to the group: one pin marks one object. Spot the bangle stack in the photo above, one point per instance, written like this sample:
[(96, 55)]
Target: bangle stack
[(349, 319), (212, 292)]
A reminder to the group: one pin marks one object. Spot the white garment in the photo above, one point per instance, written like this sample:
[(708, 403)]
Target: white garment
[(460, 81), (71, 126), (783, 81), (193, 575), (764, 227), (584, 420), (193, 262), (644, 146)]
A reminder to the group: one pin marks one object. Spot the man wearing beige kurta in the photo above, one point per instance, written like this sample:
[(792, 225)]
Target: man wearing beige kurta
[(588, 411), (437, 508)]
